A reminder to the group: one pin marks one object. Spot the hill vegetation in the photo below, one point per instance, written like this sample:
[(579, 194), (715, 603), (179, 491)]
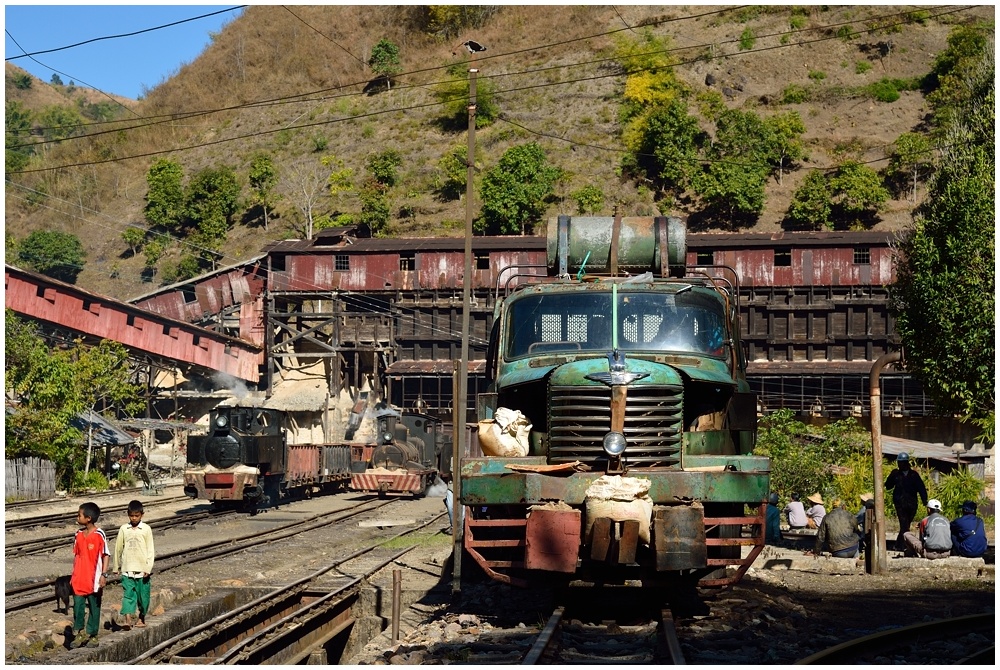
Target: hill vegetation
[(750, 118)]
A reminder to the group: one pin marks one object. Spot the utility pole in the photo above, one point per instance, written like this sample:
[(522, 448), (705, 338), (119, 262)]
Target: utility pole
[(878, 565), (461, 393)]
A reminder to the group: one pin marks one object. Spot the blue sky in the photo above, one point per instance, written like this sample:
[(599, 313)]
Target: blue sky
[(121, 66)]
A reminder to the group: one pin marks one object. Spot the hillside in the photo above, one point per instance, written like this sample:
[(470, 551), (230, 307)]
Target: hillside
[(553, 84)]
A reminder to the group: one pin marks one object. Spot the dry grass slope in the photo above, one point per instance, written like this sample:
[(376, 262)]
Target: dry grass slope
[(552, 86)]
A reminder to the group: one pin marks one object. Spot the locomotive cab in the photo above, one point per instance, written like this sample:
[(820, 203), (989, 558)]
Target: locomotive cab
[(239, 460)]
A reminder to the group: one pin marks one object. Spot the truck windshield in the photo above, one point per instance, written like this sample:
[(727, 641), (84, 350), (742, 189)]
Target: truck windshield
[(689, 321)]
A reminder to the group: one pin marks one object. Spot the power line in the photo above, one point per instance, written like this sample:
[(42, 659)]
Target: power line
[(293, 98), (296, 97), (499, 92), (324, 35), (113, 37), (70, 77)]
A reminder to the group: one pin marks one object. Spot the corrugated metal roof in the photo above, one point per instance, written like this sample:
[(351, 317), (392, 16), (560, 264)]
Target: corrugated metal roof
[(104, 433), (200, 278), (892, 446)]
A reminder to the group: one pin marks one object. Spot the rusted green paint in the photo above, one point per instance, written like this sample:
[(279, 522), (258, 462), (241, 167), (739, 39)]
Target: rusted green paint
[(487, 481)]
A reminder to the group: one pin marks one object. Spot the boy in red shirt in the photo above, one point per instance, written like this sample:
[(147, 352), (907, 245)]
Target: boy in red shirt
[(90, 565)]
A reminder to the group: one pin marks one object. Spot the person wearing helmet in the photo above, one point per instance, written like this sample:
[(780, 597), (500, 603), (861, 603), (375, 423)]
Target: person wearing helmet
[(906, 485), (772, 529), (934, 538), (968, 534)]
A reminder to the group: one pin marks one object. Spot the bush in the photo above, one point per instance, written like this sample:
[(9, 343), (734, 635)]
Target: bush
[(817, 75), (883, 90), (794, 93), (862, 66), (747, 39), (94, 481)]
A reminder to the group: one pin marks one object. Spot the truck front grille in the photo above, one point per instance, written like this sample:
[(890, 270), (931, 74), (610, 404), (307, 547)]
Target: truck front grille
[(580, 416)]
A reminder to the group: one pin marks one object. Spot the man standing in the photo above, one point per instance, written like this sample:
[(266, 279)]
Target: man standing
[(968, 534), (906, 485)]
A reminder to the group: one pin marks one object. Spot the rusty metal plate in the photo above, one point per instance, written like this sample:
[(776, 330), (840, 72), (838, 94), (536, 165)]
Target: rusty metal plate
[(552, 540)]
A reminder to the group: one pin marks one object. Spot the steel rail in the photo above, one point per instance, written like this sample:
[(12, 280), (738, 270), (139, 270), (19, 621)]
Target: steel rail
[(280, 634), (545, 644), (70, 517), (670, 639), (847, 652), (40, 545), (176, 559)]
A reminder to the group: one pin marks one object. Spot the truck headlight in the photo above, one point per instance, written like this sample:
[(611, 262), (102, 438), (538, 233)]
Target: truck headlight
[(614, 444)]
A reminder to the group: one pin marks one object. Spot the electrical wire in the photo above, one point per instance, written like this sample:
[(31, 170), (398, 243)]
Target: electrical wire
[(114, 37), (297, 98)]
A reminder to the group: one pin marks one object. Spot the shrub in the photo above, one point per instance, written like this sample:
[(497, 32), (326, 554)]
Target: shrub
[(747, 39), (92, 481), (845, 33), (589, 199), (794, 93), (797, 22), (883, 90), (22, 81), (817, 75), (862, 66)]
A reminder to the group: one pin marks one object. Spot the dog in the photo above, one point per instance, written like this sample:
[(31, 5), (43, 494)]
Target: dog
[(63, 593)]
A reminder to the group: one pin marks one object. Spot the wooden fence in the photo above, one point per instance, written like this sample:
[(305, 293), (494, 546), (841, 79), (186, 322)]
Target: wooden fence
[(29, 479)]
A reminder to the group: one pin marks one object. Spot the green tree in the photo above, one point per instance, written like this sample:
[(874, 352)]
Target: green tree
[(383, 166), (784, 140), (453, 95), (53, 386), (910, 159), (810, 206), (59, 122), (263, 178), (384, 60), (53, 253), (944, 295), (165, 197), (17, 124), (375, 206), (733, 181), (454, 171), (858, 192), (969, 52), (515, 189), (102, 382), (134, 237), (589, 199), (212, 198), (664, 146), (56, 80)]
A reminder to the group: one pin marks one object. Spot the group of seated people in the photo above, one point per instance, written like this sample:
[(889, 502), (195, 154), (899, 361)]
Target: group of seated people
[(842, 534)]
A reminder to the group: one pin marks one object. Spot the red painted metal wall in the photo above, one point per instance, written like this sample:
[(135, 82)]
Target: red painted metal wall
[(45, 299)]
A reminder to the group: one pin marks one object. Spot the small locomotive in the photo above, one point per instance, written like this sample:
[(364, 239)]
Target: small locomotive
[(410, 450), (245, 460)]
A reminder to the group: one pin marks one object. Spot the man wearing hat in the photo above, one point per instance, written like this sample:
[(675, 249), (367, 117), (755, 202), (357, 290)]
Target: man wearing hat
[(906, 485), (968, 534), (815, 513), (934, 540)]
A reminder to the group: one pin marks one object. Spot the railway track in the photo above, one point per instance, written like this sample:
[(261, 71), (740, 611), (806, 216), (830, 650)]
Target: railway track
[(965, 640), (30, 504), (286, 626), (66, 518), (45, 544), (607, 643), (39, 593)]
